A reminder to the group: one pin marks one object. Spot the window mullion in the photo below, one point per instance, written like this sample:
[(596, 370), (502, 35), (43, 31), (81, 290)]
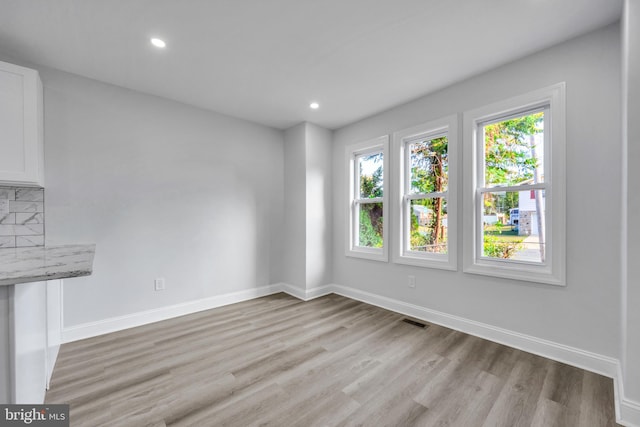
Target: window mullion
[(513, 188), (426, 221), (422, 196), (516, 231), (408, 197), (365, 160), (491, 198), (369, 200)]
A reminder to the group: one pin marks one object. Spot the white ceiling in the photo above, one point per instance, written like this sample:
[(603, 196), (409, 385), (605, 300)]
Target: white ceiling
[(266, 60)]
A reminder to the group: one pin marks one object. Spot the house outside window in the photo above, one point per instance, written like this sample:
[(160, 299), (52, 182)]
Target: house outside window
[(515, 188)]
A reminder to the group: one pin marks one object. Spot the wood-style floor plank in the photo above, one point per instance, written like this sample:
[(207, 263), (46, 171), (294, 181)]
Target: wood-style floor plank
[(332, 361)]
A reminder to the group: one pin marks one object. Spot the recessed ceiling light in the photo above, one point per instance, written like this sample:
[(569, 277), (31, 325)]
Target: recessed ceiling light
[(158, 43), (314, 105)]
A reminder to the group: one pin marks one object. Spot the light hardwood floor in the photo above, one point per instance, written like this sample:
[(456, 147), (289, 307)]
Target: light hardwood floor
[(331, 361)]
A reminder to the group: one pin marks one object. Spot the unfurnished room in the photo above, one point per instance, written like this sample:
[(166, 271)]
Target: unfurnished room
[(320, 213)]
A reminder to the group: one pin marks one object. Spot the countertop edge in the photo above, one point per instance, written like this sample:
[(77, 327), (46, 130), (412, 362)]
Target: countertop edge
[(36, 264), (55, 276)]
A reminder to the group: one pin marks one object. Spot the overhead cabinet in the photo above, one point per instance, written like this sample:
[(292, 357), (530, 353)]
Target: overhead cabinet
[(21, 126)]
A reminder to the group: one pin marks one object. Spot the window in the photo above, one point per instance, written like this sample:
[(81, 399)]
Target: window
[(367, 229), (426, 203), (515, 192)]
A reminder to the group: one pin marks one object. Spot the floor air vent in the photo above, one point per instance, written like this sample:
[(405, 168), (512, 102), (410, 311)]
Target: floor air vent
[(414, 323)]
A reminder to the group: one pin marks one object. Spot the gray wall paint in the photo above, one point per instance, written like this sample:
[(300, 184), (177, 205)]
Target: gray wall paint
[(319, 206), (294, 262), (584, 314), (164, 190), (631, 155), (307, 253)]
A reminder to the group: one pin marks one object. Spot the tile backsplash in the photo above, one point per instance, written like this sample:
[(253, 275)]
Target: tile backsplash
[(21, 217)]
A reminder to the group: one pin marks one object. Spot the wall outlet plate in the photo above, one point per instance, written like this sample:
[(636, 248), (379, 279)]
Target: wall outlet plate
[(412, 282)]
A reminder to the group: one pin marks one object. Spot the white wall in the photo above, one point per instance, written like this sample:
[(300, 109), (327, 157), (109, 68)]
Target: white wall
[(585, 313), (164, 190), (295, 208), (307, 154), (319, 203), (631, 204)]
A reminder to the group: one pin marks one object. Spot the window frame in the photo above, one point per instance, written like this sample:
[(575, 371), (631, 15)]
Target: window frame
[(353, 152), (552, 270), (402, 199)]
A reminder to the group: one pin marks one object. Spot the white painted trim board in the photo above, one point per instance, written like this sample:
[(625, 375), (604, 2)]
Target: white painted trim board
[(114, 324), (562, 353), (307, 294), (627, 411)]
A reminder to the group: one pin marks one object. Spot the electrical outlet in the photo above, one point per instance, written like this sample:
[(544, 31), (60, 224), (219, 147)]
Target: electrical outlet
[(412, 282), (159, 284)]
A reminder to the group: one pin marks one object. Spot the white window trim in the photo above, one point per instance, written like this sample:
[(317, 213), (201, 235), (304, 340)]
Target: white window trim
[(401, 255), (553, 271), (352, 151)]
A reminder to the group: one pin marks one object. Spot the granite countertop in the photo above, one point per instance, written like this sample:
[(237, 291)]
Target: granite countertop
[(34, 264)]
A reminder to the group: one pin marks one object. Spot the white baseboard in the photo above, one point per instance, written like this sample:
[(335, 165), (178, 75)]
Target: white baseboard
[(629, 413), (114, 324), (627, 410), (307, 294), (593, 362), (92, 329), (52, 357)]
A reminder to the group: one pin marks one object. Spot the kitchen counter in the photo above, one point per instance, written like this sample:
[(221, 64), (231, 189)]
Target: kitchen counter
[(31, 315), (23, 265)]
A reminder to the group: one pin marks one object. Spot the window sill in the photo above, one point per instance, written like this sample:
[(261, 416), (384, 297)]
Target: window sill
[(443, 263), (536, 274), (371, 254)]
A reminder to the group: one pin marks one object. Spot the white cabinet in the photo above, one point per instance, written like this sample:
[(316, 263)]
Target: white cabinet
[(54, 325), (21, 126), (30, 337), (29, 342)]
